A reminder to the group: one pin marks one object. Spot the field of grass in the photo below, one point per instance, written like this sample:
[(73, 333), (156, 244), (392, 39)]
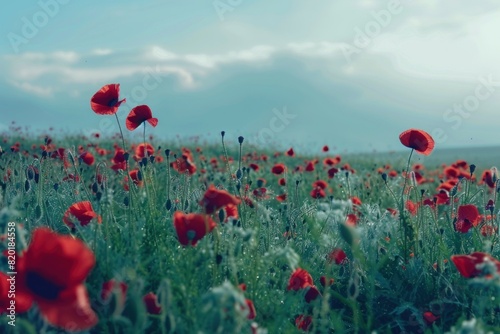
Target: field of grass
[(104, 236)]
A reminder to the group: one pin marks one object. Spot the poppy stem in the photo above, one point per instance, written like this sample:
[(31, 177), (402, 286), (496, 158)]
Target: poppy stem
[(402, 217)]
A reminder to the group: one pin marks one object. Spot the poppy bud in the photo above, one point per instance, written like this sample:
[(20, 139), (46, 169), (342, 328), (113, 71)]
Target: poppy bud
[(37, 177), (168, 204), (27, 185), (139, 175), (239, 174), (222, 215), (472, 168), (95, 187), (152, 158), (98, 195), (144, 161), (29, 173), (56, 186), (240, 139), (44, 154), (222, 133), (167, 152), (126, 155), (125, 201)]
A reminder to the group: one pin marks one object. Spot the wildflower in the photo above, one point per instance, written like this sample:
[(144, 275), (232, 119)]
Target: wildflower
[(82, 212), (151, 302), (300, 279), (303, 322), (139, 115), (51, 273), (215, 199), (338, 255), (105, 101), (278, 169), (467, 265), (468, 216), (192, 227), (418, 140)]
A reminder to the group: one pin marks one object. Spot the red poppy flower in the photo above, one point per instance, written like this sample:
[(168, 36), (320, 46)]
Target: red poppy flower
[(430, 318), (139, 115), (151, 302), (352, 219), (468, 216), (320, 184), (231, 211), (311, 294), (300, 279), (467, 264), (412, 207), (310, 166), (338, 255), (290, 152), (318, 193), (215, 199), (332, 171), (487, 178), (142, 149), (192, 227), (105, 101), (136, 177), (184, 164), (418, 140), (87, 158), (281, 198), (303, 322), (326, 148), (251, 309), (254, 166), (51, 273), (260, 193), (82, 212), (278, 169)]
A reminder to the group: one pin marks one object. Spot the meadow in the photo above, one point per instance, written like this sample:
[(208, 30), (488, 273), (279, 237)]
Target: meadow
[(108, 236)]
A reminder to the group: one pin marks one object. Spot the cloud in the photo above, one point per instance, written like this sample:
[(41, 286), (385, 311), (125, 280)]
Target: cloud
[(34, 89)]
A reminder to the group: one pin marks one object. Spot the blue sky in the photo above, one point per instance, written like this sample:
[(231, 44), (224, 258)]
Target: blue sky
[(350, 74)]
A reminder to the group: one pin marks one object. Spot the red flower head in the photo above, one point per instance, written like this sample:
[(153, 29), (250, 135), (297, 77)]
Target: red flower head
[(81, 212), (332, 172), (468, 216), (87, 158), (300, 279), (139, 115), (151, 302), (303, 322), (419, 140), (430, 318), (142, 149), (467, 264), (51, 273), (185, 163), (192, 227), (338, 255), (320, 184), (311, 294), (214, 199), (105, 101), (325, 148), (251, 309), (290, 152), (278, 169), (318, 193)]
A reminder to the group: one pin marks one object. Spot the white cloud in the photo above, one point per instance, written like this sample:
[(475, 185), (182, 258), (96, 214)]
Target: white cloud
[(34, 89)]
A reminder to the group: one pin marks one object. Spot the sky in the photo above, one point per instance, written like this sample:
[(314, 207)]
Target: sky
[(349, 74)]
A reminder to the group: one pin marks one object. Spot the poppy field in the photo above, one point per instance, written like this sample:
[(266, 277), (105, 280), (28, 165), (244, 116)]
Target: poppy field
[(102, 235)]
